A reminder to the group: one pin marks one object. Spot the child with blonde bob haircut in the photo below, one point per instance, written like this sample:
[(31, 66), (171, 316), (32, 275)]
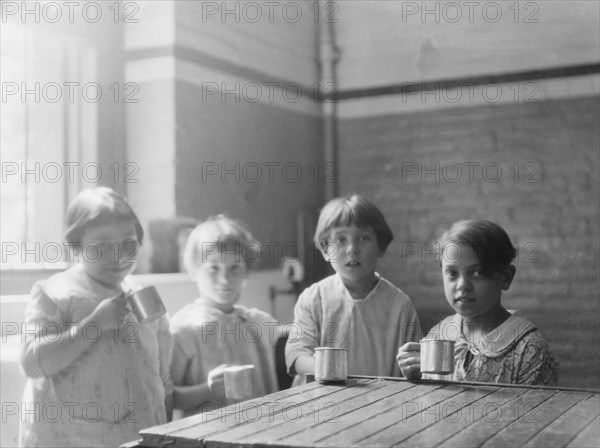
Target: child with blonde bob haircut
[(491, 344), (90, 355), (355, 308), (214, 331)]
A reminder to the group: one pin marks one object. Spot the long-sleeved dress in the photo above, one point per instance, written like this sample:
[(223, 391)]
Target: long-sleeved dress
[(372, 329), (204, 338), (115, 388)]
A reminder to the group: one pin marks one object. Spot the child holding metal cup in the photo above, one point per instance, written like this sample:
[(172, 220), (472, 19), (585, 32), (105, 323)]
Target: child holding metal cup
[(356, 308), (220, 345), (491, 344), (102, 372)]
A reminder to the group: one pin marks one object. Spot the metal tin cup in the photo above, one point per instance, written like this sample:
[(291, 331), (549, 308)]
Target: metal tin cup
[(331, 364), (239, 382), (437, 356), (146, 304)]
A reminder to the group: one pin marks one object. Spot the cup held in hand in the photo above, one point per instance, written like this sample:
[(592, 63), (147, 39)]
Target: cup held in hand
[(331, 364), (146, 304), (437, 356), (239, 382)]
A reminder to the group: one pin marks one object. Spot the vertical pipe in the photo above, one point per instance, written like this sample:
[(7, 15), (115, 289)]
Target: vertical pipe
[(29, 186), (328, 56), (65, 128)]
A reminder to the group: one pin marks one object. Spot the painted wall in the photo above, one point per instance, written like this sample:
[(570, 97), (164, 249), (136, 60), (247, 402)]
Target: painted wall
[(432, 40)]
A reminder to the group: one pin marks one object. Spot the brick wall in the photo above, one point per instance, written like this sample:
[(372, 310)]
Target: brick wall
[(253, 162), (220, 126), (532, 168)]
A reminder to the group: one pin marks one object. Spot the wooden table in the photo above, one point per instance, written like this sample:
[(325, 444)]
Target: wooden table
[(378, 412)]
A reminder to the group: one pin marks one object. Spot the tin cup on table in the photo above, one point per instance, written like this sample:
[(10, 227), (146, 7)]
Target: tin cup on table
[(146, 304), (437, 356), (331, 364), (239, 382)]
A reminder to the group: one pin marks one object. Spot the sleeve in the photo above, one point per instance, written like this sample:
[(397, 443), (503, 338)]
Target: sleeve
[(165, 347), (42, 318), (537, 366), (303, 335), (179, 360), (413, 331), (408, 329), (268, 329)]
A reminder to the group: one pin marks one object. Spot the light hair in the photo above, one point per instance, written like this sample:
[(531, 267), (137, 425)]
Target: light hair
[(222, 234)]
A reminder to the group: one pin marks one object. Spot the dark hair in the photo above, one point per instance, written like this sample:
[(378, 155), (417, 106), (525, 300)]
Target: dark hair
[(98, 206), (488, 240), (355, 210), (225, 235)]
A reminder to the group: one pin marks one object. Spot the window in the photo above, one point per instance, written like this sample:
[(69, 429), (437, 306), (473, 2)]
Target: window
[(48, 139)]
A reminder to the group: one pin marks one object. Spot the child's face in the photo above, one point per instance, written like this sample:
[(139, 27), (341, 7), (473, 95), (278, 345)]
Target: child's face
[(108, 252), (220, 278), (353, 253), (467, 289)]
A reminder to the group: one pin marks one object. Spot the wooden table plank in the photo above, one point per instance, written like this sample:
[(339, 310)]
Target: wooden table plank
[(156, 436), (589, 437), (453, 423), (329, 413), (349, 420), (421, 413), (343, 418), (497, 416), (376, 417), (197, 427), (424, 415), (562, 430), (532, 419), (246, 413), (278, 424)]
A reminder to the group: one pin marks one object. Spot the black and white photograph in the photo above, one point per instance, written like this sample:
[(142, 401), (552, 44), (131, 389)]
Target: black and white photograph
[(300, 224)]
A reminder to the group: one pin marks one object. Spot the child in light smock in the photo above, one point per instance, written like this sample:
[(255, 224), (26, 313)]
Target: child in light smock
[(355, 308), (491, 344), (97, 376), (214, 332)]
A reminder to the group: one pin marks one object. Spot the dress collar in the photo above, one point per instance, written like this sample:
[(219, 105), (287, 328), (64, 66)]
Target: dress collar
[(500, 340), (370, 294), (213, 312)]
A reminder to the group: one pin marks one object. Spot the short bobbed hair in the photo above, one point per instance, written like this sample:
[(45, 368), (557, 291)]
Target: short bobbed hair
[(354, 209), (488, 240), (95, 207), (219, 234)]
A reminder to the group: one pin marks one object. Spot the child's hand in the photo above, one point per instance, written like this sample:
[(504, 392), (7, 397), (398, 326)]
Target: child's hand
[(409, 360), (216, 383), (110, 311)]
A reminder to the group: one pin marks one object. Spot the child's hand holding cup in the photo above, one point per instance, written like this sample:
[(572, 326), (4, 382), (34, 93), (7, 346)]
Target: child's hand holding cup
[(216, 383), (409, 360), (429, 356), (239, 383)]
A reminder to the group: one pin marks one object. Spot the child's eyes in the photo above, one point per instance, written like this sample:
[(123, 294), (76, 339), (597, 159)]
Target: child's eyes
[(366, 237), (450, 274), (478, 273)]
